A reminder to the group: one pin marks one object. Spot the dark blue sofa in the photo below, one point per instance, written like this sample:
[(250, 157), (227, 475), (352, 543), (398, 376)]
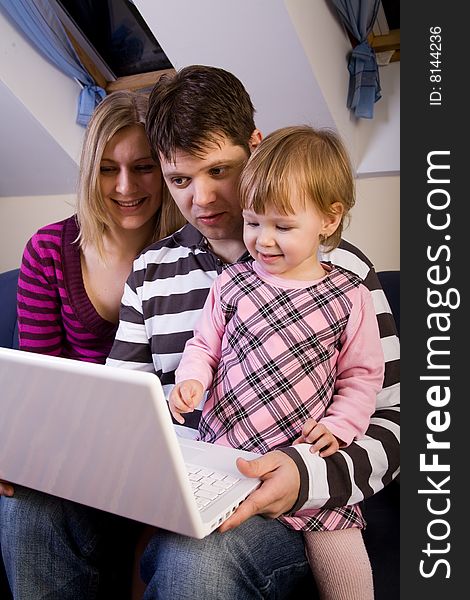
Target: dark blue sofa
[(382, 511), (8, 323)]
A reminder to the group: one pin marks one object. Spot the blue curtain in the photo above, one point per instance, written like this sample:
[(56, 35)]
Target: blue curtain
[(41, 25), (364, 83)]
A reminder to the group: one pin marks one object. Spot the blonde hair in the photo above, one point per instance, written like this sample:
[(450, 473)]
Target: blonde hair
[(118, 110), (299, 160)]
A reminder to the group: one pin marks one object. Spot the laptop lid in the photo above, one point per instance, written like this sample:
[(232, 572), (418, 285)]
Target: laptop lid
[(103, 436)]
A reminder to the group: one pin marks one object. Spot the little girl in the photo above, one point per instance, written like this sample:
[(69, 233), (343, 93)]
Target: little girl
[(288, 346)]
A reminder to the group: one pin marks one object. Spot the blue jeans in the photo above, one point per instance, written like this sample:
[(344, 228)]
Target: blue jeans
[(57, 550), (259, 559), (60, 550)]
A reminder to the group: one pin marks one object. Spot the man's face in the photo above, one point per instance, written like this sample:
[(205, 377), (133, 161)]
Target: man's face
[(205, 188)]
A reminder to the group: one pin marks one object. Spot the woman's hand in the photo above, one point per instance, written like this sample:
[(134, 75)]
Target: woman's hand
[(6, 489)]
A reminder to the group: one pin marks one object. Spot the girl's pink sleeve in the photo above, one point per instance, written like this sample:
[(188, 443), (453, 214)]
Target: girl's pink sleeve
[(202, 352), (360, 372)]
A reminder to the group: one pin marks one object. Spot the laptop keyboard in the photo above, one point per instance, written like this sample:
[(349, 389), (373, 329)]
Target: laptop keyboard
[(208, 485)]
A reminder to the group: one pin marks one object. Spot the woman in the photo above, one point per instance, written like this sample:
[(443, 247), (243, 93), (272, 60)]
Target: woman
[(71, 281), (73, 272)]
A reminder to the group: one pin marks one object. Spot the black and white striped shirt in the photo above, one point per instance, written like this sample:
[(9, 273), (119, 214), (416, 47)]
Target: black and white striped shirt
[(162, 300)]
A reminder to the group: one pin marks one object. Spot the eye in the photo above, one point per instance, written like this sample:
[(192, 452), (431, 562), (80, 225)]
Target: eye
[(147, 168), (283, 228), (251, 224), (217, 171), (180, 182), (107, 170)]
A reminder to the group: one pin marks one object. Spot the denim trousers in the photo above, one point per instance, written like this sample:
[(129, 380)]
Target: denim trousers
[(60, 550), (57, 550), (259, 559)]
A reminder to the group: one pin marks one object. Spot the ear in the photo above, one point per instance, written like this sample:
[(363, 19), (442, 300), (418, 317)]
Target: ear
[(332, 220), (255, 139)]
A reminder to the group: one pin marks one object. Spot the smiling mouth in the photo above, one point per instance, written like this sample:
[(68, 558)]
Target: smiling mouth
[(129, 204), (269, 257)]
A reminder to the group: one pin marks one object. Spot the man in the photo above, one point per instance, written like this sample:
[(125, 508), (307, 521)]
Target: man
[(201, 127)]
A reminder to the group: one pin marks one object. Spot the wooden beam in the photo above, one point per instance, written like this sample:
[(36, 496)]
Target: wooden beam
[(87, 62), (382, 43), (137, 82)]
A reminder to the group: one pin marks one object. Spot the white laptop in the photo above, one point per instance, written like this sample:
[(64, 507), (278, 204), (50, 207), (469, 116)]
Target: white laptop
[(103, 437)]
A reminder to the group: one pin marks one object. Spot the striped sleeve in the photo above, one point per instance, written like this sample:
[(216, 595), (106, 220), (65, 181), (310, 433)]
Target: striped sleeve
[(131, 349), (162, 300), (367, 465), (39, 322)]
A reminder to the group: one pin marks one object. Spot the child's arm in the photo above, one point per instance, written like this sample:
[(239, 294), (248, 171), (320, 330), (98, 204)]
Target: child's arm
[(184, 397), (360, 376), (360, 373), (200, 357)]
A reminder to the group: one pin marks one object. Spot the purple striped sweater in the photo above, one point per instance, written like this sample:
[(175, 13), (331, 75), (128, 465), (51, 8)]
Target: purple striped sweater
[(55, 315)]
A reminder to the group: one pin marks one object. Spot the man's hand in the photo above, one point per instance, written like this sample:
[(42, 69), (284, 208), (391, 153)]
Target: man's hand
[(6, 489), (321, 438), (278, 491), (184, 397)]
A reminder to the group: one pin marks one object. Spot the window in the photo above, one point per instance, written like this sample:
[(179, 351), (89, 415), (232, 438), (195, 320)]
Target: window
[(114, 43), (385, 35)]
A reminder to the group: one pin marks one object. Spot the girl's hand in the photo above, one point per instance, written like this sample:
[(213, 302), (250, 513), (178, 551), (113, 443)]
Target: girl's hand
[(184, 397), (321, 438)]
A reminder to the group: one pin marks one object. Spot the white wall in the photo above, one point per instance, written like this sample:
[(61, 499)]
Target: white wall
[(21, 217), (31, 161), (255, 40), (326, 46), (379, 138), (375, 221), (374, 144), (49, 95)]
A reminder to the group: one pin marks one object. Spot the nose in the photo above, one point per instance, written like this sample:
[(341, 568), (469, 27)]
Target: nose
[(265, 237), (203, 193), (125, 182)]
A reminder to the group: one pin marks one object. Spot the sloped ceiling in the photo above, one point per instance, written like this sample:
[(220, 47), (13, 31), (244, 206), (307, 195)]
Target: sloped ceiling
[(257, 41), (31, 161), (292, 57), (290, 54)]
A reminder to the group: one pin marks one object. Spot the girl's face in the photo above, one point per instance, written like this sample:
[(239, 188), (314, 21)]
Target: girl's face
[(130, 180), (287, 245)]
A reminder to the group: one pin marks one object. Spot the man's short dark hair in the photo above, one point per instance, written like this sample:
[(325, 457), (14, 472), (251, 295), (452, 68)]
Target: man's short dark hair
[(195, 107)]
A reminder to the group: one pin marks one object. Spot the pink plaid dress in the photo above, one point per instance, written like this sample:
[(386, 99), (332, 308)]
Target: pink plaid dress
[(278, 365)]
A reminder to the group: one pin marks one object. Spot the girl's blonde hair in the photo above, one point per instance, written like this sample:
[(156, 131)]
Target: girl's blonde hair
[(119, 109), (312, 163)]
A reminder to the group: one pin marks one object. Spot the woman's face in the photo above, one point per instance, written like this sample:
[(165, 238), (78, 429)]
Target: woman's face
[(130, 180)]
